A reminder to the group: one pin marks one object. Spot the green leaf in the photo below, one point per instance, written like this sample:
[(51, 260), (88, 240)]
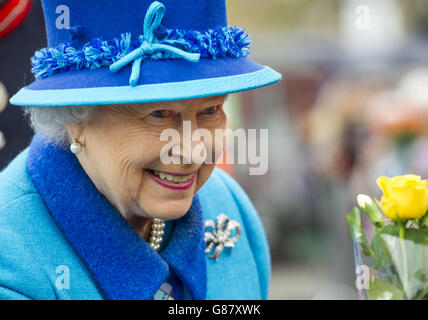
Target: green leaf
[(424, 223), (415, 235), (380, 289), (356, 231), (409, 256), (380, 253), (371, 209), (391, 228)]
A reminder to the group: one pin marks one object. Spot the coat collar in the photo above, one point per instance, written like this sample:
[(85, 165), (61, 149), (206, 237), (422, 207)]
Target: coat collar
[(122, 263)]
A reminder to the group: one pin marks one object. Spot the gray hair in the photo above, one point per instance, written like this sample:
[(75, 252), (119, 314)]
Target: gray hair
[(52, 121)]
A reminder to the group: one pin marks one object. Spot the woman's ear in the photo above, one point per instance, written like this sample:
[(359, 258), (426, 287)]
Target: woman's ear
[(76, 131)]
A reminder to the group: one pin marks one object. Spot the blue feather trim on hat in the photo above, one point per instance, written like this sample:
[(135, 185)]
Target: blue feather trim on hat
[(98, 53)]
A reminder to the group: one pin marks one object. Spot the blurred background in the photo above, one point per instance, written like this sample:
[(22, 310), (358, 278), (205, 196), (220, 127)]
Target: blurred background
[(352, 106)]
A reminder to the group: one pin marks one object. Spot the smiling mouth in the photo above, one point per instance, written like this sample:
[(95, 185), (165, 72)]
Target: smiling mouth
[(170, 180)]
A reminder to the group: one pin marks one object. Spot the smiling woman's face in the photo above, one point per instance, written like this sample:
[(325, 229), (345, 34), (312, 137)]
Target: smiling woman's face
[(122, 154)]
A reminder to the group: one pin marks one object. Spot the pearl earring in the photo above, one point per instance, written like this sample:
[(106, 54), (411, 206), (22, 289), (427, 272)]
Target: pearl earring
[(75, 147)]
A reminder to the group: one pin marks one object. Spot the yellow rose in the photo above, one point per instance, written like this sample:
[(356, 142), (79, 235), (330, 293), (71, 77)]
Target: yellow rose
[(405, 195)]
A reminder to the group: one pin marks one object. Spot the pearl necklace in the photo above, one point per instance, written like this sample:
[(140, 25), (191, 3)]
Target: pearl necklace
[(156, 235)]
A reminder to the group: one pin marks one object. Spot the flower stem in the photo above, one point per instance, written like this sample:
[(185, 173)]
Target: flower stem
[(403, 250)]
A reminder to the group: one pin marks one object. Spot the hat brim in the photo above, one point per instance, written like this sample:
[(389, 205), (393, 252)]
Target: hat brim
[(161, 80)]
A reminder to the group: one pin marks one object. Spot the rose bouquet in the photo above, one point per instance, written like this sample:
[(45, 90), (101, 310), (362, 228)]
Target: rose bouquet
[(393, 264)]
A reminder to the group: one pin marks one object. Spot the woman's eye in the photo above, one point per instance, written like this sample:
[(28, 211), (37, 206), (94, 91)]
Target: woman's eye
[(210, 110), (161, 113)]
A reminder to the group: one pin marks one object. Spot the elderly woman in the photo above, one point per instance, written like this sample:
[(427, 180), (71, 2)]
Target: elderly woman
[(91, 209)]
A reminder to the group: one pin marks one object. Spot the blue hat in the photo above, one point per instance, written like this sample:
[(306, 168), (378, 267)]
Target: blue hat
[(129, 51)]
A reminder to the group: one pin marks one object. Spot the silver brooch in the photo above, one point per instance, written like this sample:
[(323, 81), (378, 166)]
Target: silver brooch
[(219, 235)]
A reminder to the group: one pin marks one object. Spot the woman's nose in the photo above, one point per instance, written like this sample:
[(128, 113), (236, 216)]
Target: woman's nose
[(191, 150)]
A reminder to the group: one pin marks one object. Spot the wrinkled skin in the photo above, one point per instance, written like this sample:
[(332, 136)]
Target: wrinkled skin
[(120, 143)]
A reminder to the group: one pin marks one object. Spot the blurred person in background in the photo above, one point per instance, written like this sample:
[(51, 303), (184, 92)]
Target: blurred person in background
[(21, 33)]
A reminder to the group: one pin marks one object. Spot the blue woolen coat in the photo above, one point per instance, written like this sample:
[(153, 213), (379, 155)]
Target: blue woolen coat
[(61, 239)]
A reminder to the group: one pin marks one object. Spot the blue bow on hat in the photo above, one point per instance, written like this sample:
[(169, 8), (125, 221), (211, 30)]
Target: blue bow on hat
[(152, 20)]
